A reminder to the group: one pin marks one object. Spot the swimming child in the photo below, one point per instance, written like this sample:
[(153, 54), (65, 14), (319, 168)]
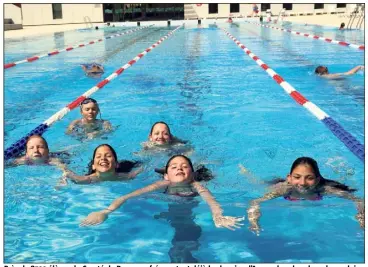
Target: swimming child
[(179, 181), (89, 126), (37, 153), (323, 72), (93, 70), (230, 20), (304, 182), (160, 138), (342, 26), (105, 166)]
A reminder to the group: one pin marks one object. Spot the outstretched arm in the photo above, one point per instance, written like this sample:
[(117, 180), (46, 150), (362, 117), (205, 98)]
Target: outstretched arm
[(254, 212), (354, 70), (131, 175), (216, 210), (98, 217), (347, 195), (350, 72)]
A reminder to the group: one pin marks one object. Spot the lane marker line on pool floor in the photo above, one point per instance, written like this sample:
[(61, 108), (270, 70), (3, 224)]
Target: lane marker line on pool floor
[(69, 48), (359, 47), (19, 146), (350, 141)]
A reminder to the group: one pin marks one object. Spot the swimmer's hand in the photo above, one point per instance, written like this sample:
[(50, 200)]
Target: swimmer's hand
[(95, 218), (228, 222), (361, 218), (253, 216), (254, 227)]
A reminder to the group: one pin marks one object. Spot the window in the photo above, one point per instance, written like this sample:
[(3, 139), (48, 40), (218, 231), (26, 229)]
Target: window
[(56, 11), (264, 7), (234, 8), (341, 5), (318, 6), (212, 8), (287, 6)]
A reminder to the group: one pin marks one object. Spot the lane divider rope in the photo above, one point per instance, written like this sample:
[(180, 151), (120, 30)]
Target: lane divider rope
[(19, 146), (69, 48), (359, 47), (350, 142)]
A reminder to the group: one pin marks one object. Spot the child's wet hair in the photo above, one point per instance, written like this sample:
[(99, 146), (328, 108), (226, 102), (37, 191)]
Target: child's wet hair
[(323, 182), (175, 156), (160, 122), (200, 174), (122, 166), (37, 136), (91, 100), (309, 161), (321, 70)]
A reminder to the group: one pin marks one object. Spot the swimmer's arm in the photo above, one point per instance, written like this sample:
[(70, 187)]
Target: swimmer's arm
[(152, 187), (220, 221), (131, 175), (107, 126), (208, 198), (71, 126), (98, 217), (350, 72), (16, 162), (254, 211), (359, 202), (58, 163), (354, 70)]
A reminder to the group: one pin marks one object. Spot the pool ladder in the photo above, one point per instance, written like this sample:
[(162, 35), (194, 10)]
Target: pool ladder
[(358, 13), (88, 21)]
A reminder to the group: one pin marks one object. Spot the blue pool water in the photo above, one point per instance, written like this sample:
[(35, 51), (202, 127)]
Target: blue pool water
[(212, 94)]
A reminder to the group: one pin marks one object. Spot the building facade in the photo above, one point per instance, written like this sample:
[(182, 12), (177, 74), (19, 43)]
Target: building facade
[(54, 14)]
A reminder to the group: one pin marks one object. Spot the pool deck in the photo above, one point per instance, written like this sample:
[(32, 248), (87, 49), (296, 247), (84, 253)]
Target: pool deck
[(332, 20)]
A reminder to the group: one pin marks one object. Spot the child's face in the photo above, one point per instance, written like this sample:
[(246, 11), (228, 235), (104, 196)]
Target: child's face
[(303, 178), (89, 111), (160, 134), (104, 160), (37, 149), (179, 170)]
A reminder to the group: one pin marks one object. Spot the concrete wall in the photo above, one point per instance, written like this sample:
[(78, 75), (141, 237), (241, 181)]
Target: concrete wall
[(41, 14), (13, 12)]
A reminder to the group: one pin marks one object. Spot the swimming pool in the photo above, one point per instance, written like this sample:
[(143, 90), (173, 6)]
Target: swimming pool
[(211, 93)]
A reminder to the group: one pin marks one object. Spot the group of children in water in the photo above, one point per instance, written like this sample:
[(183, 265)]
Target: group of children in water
[(179, 177)]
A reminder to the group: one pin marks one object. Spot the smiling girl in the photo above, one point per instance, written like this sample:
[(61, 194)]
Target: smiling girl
[(304, 182), (105, 166), (179, 181)]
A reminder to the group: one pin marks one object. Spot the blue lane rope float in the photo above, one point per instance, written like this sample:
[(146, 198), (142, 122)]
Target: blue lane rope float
[(19, 146), (348, 140)]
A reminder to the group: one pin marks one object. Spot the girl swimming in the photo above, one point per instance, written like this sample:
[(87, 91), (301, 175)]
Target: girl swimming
[(105, 166), (89, 126), (37, 153), (179, 181), (304, 182), (161, 139)]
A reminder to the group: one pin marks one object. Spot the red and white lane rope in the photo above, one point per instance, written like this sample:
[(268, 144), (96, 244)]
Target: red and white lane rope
[(69, 48), (360, 47), (19, 146), (350, 142), (101, 84)]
